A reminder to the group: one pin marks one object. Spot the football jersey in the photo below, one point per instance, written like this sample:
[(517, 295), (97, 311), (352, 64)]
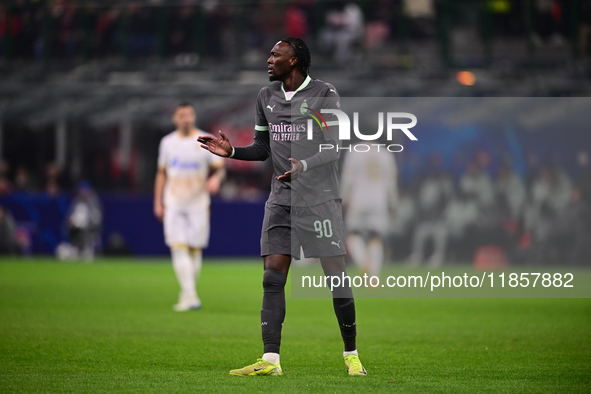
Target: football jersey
[(369, 180), (187, 168), (286, 116)]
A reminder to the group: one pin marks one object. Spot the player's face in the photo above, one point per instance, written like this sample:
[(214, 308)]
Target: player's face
[(281, 61), (184, 119)]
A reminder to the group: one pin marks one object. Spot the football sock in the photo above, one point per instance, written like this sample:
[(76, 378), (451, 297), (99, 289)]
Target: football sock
[(273, 358), (196, 260), (375, 250), (273, 311), (345, 354), (183, 268), (356, 248), (344, 309)]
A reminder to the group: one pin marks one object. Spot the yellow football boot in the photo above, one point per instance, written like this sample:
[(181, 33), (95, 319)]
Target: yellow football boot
[(261, 367), (354, 366)]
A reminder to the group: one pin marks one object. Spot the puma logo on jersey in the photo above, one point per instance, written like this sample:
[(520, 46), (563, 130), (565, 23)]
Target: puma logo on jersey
[(334, 91), (338, 244), (271, 108)]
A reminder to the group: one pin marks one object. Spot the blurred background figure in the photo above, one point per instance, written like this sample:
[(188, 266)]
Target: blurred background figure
[(421, 17), (5, 184), (296, 22), (401, 227), (460, 220), (186, 177), (52, 173), (23, 181), (547, 218), (369, 190), (569, 234), (510, 192), (344, 29), (483, 213), (8, 240), (142, 37), (181, 30), (84, 222), (548, 18), (476, 183), (435, 192)]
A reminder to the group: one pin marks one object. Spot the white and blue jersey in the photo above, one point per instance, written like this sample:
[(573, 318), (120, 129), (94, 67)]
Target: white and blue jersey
[(187, 167)]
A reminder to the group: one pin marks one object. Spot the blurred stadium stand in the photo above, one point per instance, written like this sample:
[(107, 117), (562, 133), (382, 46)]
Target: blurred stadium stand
[(87, 88)]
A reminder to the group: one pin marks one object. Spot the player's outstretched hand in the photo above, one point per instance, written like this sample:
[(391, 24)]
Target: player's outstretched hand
[(296, 169), (217, 146)]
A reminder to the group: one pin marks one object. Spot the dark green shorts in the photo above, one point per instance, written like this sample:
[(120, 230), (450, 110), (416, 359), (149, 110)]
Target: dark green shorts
[(319, 230)]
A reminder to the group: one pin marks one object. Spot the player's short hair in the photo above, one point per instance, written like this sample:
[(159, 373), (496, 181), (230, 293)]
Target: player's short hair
[(182, 104), (301, 52)]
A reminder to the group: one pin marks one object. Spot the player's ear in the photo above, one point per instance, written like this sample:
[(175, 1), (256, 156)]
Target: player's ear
[(293, 61)]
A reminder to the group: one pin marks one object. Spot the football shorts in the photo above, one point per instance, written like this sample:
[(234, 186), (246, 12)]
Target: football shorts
[(186, 227), (318, 230)]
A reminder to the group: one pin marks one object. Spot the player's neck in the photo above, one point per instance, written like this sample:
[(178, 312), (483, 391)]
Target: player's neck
[(293, 81), (187, 133)]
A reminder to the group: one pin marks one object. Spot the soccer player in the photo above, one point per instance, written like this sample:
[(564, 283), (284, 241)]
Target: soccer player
[(370, 195), (186, 176), (304, 206)]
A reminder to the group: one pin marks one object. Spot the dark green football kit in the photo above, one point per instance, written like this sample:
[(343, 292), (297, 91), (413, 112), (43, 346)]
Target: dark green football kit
[(305, 212)]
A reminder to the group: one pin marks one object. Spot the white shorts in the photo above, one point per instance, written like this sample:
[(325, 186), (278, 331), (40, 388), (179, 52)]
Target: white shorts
[(186, 227), (367, 221)]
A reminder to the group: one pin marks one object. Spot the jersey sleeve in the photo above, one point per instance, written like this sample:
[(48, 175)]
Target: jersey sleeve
[(162, 156), (259, 150), (260, 121), (331, 100)]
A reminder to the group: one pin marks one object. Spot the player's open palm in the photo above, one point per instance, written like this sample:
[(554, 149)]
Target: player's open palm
[(296, 169), (217, 146)]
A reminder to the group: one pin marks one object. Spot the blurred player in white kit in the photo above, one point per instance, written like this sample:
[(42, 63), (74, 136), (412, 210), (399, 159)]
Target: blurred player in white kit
[(370, 194), (186, 177)]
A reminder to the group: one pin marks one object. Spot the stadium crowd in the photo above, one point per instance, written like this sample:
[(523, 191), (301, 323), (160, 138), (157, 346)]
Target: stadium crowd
[(543, 219), (37, 29)]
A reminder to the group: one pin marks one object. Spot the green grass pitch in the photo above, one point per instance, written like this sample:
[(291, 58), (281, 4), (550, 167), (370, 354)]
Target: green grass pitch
[(109, 327)]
